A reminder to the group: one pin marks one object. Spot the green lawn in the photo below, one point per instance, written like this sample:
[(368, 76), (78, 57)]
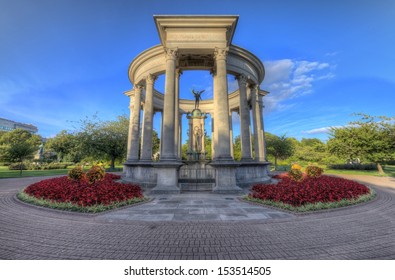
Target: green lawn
[(6, 173), (389, 171)]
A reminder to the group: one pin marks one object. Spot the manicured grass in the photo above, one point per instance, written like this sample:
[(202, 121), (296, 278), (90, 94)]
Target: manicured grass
[(30, 173), (6, 173), (314, 206), (75, 207), (388, 169), (352, 172)]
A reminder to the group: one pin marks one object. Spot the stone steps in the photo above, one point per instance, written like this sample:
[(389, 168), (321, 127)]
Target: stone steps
[(196, 187)]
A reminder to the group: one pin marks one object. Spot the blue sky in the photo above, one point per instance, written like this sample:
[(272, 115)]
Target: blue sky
[(63, 60)]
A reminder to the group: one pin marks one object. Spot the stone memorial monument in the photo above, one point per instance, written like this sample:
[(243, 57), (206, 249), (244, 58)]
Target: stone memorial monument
[(196, 43)]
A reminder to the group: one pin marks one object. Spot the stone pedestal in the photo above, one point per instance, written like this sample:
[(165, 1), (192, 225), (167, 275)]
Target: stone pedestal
[(225, 177), (251, 173), (167, 178), (140, 173)]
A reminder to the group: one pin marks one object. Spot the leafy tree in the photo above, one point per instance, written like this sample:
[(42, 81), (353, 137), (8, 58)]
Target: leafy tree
[(18, 145), (63, 143), (155, 142), (104, 139), (370, 138), (237, 148), (207, 146), (280, 147), (310, 150)]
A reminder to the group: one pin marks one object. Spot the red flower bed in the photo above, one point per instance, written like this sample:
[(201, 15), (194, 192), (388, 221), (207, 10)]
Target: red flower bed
[(309, 190), (82, 193)]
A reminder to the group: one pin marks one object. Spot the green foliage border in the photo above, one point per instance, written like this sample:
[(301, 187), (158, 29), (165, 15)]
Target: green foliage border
[(313, 207), (68, 206)]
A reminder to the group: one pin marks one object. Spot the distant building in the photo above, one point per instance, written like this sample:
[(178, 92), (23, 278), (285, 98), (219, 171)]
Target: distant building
[(8, 125)]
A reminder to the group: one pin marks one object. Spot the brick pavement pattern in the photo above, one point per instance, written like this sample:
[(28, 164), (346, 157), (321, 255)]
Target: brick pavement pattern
[(361, 232)]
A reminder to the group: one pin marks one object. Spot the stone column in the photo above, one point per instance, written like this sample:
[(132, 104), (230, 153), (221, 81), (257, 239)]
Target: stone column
[(225, 167), (169, 110), (146, 139), (231, 134), (130, 126), (261, 128), (244, 120), (221, 107), (257, 122), (179, 148), (213, 138), (134, 131), (177, 117)]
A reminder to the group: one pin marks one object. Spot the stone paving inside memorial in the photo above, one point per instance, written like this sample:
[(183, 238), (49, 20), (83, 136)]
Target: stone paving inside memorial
[(195, 206)]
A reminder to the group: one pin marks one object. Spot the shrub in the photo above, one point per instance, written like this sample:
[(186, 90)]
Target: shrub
[(95, 174), (17, 166), (358, 166), (295, 174), (296, 166), (313, 171), (57, 165), (77, 174)]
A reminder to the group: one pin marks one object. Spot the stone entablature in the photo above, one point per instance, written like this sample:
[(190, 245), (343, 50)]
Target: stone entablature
[(239, 61)]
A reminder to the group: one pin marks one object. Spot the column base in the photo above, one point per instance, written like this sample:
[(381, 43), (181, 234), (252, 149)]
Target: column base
[(252, 173), (141, 173), (167, 178), (225, 177)]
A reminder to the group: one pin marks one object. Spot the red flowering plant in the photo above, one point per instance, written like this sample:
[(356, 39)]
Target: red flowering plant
[(310, 190), (82, 193)]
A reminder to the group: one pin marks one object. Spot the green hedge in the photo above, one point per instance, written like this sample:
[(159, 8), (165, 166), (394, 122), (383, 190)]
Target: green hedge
[(367, 166), (38, 166)]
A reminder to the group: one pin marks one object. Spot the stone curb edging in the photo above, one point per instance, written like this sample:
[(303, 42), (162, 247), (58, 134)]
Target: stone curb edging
[(77, 213)]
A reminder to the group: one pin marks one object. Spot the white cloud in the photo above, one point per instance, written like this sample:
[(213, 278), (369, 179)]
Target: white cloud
[(288, 79), (320, 130), (332, 53)]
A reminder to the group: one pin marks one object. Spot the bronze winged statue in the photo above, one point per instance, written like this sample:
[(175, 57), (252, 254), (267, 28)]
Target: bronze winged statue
[(198, 97)]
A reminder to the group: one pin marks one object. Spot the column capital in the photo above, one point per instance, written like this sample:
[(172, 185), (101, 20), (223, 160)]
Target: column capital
[(171, 54), (150, 79), (220, 53), (138, 88), (242, 79)]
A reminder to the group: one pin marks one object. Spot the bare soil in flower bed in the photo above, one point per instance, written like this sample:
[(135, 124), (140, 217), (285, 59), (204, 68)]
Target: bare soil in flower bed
[(310, 194), (72, 195)]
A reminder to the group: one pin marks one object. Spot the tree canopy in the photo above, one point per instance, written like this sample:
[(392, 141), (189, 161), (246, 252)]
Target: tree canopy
[(368, 139), (280, 147), (18, 145)]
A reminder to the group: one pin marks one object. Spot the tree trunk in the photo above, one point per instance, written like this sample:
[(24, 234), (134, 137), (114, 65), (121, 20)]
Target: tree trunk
[(380, 168), (112, 166), (20, 169), (275, 163)]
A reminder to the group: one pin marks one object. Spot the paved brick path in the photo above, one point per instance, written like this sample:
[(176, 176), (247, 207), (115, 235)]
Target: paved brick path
[(362, 232)]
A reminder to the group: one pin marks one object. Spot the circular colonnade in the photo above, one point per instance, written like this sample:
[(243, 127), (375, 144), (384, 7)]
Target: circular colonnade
[(196, 43)]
